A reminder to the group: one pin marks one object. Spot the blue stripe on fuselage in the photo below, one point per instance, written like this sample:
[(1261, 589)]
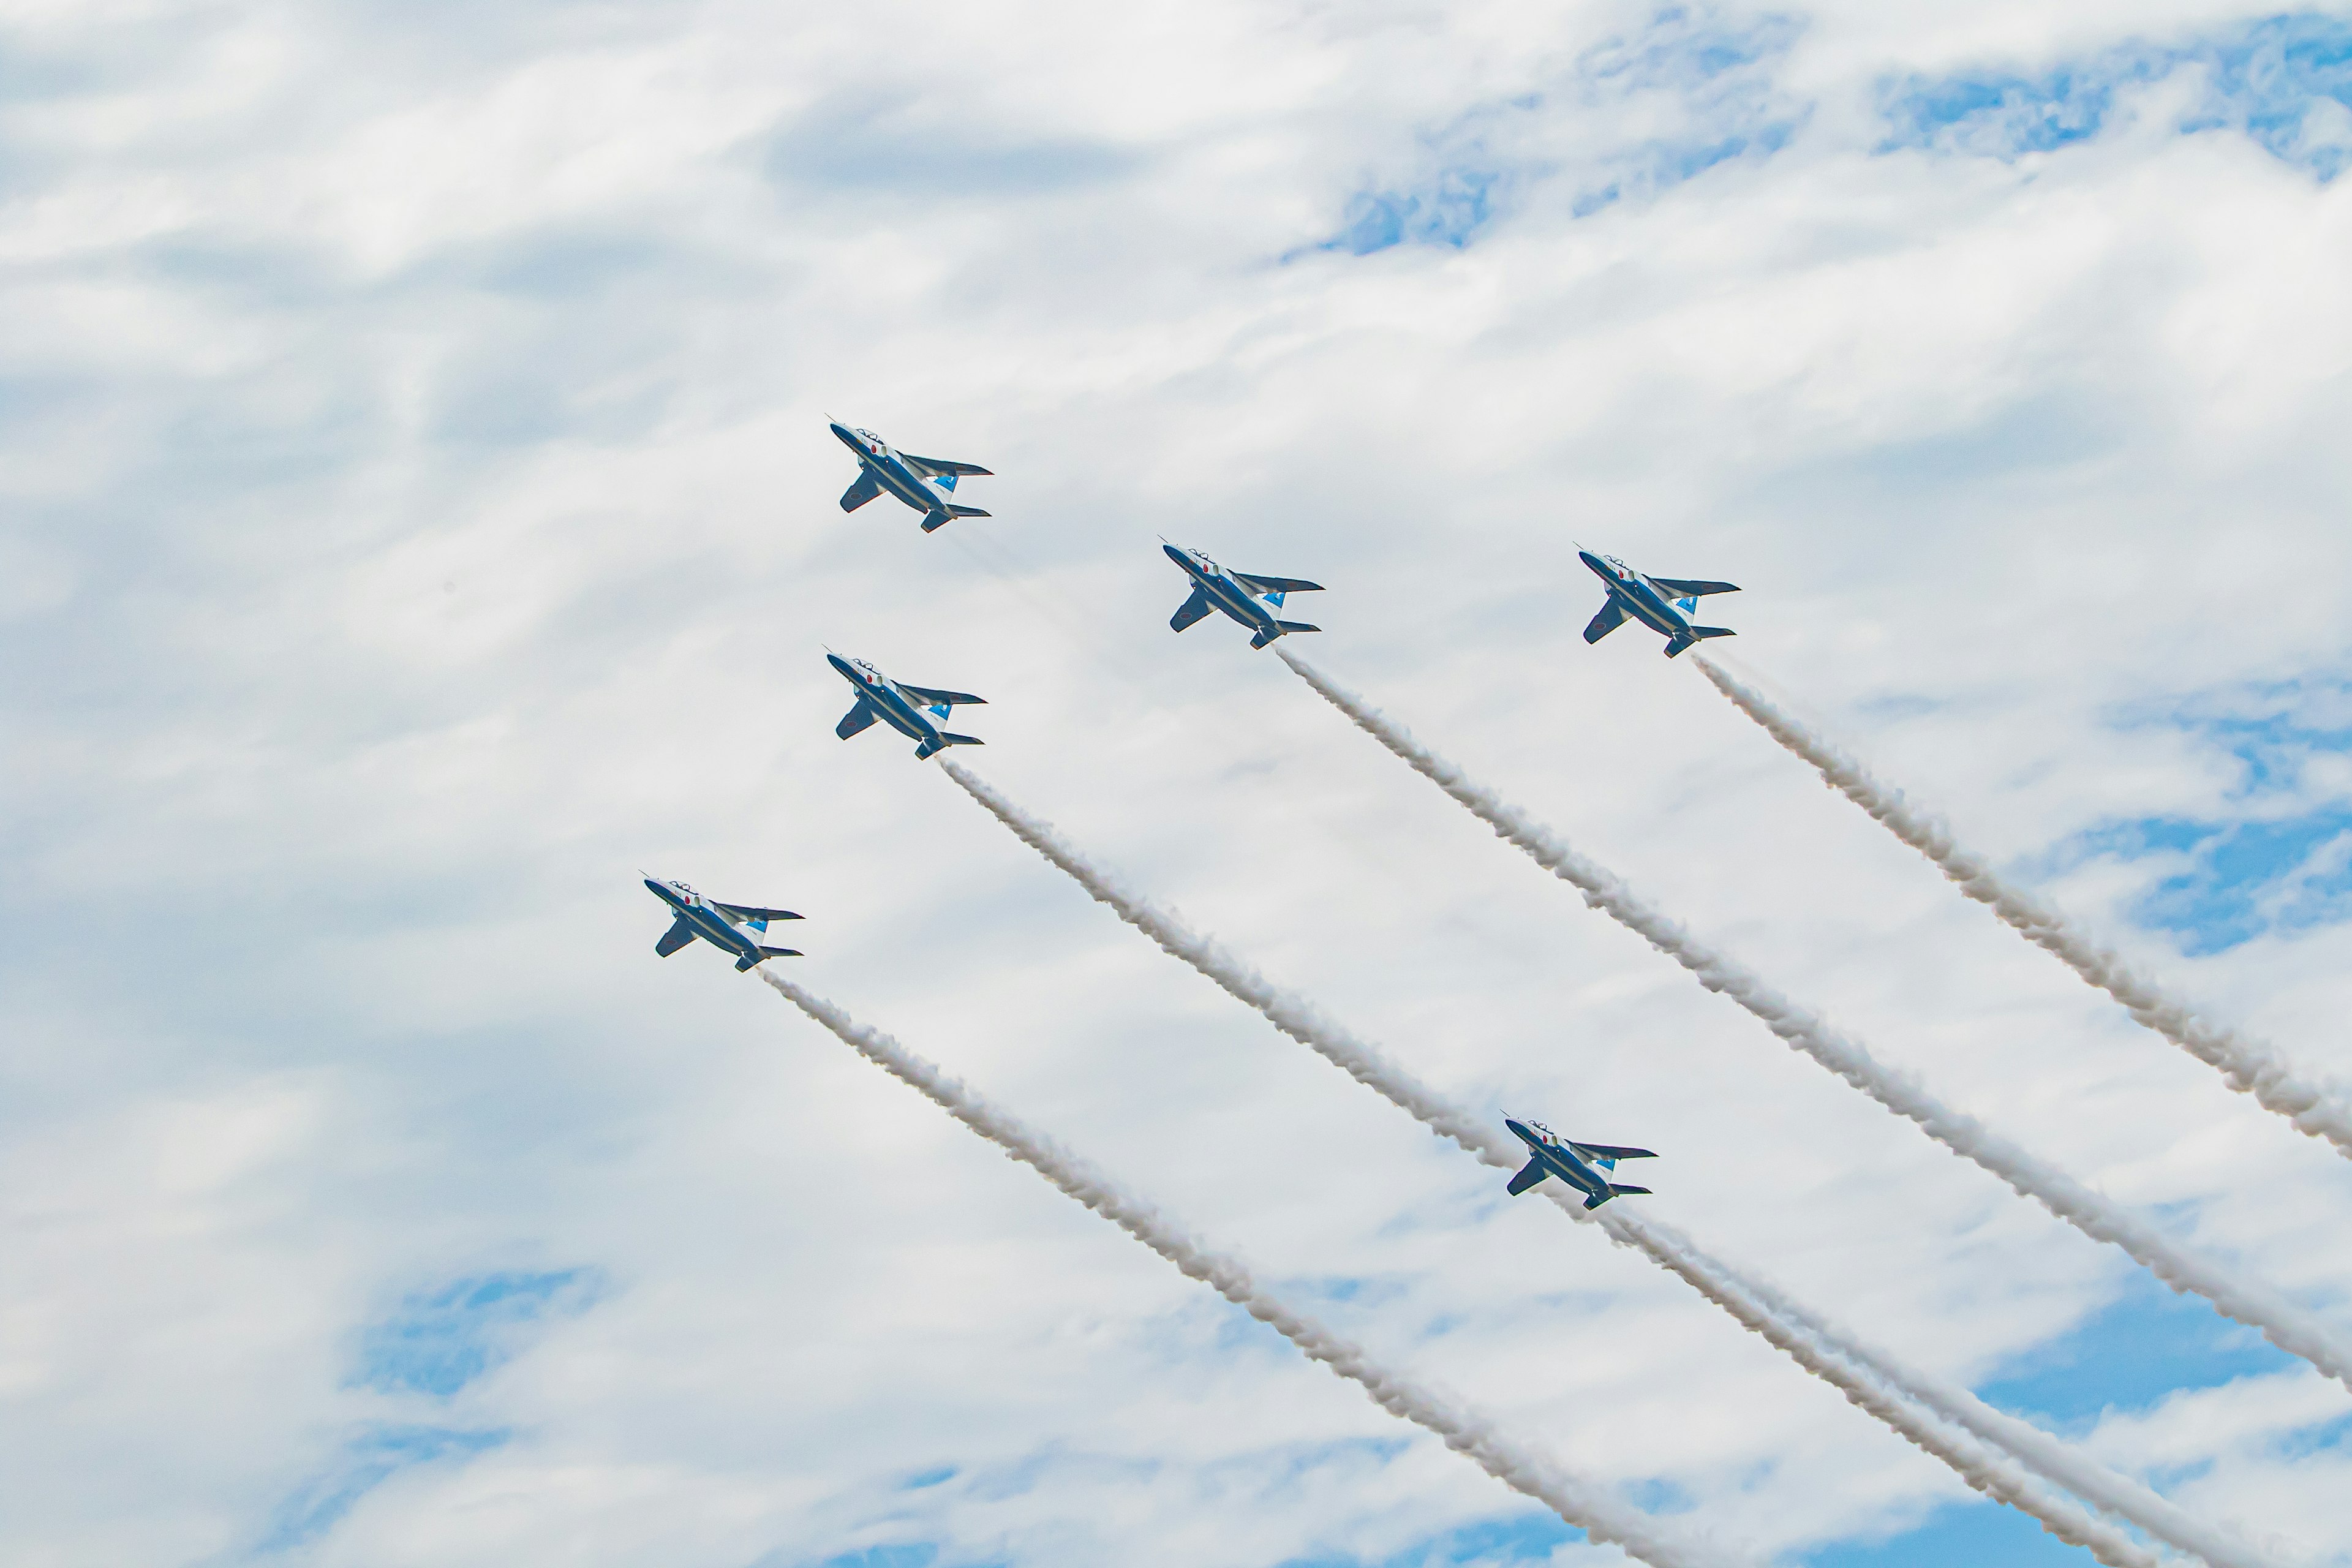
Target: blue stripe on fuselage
[(1643, 602), (900, 714), (1235, 601), (901, 481)]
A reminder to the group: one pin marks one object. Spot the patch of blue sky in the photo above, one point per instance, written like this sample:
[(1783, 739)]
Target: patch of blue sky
[(1531, 1537), (365, 1463), (1713, 73), (2279, 858), (2285, 81), (2140, 1349), (439, 1340), (1956, 1535)]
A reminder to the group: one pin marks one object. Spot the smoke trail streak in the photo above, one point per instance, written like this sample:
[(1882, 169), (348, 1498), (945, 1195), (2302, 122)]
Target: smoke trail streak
[(1579, 1503), (2257, 1306), (2250, 1067), (2058, 1461), (1369, 1066)]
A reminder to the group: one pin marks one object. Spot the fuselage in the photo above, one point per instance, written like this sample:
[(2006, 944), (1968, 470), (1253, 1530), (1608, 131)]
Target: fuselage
[(1217, 585), (1559, 1160), (890, 470), (1643, 599), (892, 706), (705, 921)]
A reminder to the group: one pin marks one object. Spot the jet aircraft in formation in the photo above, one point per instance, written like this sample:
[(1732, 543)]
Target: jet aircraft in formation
[(909, 709), (927, 484), (1574, 1162), (1245, 596), (1661, 604), (721, 925)]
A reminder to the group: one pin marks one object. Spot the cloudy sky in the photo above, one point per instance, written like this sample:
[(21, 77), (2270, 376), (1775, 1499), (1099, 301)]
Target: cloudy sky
[(417, 517)]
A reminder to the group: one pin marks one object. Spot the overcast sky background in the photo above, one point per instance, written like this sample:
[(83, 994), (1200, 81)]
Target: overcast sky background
[(417, 516)]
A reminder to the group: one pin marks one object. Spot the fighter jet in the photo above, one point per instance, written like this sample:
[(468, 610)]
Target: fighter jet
[(1661, 604), (924, 483), (1251, 600), (909, 709), (1557, 1157), (717, 924)]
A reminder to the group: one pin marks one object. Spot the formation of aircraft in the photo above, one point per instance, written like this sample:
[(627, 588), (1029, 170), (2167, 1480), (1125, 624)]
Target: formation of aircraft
[(1253, 599), (909, 709), (1661, 604), (723, 926), (927, 484), (1245, 596), (1549, 1154)]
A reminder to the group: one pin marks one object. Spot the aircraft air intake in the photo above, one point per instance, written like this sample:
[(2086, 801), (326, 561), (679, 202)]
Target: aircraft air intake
[(2256, 1305), (2250, 1067), (2008, 1477), (1582, 1504)]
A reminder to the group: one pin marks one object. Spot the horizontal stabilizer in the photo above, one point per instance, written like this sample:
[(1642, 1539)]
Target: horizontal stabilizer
[(1263, 637), (1297, 627), (1713, 632), (1191, 610), (678, 936), (1691, 588), (795, 953), (927, 748), (1612, 616), (866, 488), (1527, 1177), (931, 467), (855, 720), (933, 521), (1277, 585), (1596, 1199), (932, 699)]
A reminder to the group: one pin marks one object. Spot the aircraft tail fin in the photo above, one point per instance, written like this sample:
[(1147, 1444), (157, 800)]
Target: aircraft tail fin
[(944, 515), (1596, 1199), (1527, 1177), (1261, 639), (927, 748)]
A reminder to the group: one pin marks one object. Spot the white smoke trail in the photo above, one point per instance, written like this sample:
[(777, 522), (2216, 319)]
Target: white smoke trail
[(2250, 1067), (2059, 1461), (1369, 1066), (2257, 1306), (1581, 1504)]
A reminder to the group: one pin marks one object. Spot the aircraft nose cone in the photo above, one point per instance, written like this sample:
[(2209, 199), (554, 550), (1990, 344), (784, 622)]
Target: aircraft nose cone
[(1175, 554), (847, 435), (1516, 1128), (1592, 561), (840, 664)]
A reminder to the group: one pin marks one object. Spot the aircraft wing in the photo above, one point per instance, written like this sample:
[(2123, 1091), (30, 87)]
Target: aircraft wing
[(931, 467), (1691, 588), (855, 720), (1611, 1152), (752, 913), (931, 698), (1191, 610), (1612, 616), (1278, 585), (678, 936), (866, 488)]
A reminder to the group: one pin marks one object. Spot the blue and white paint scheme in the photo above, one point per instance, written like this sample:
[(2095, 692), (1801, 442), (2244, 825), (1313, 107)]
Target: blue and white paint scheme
[(927, 484), (1661, 604), (909, 709), (1572, 1162), (723, 926), (1245, 596)]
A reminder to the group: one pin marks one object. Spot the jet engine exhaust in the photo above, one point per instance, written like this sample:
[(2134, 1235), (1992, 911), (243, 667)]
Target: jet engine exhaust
[(1579, 1503), (1296, 1017), (2257, 1306), (2248, 1066)]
